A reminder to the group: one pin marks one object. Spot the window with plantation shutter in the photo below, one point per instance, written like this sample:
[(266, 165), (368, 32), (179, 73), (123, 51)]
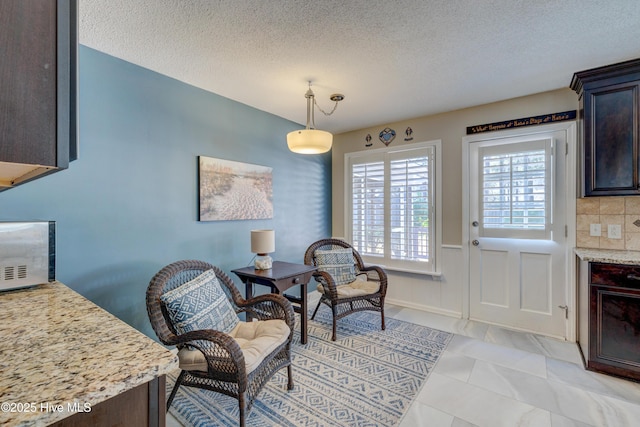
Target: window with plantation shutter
[(391, 199), (515, 190), (410, 207)]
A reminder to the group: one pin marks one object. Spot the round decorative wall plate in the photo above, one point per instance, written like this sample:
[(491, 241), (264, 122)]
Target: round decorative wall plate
[(387, 135)]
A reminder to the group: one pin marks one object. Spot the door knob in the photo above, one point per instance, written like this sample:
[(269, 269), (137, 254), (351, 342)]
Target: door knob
[(475, 223), (475, 243)]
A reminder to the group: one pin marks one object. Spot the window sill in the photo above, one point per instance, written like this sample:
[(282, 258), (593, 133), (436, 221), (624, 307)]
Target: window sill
[(434, 274)]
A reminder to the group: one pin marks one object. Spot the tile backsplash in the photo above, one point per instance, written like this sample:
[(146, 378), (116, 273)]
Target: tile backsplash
[(622, 211)]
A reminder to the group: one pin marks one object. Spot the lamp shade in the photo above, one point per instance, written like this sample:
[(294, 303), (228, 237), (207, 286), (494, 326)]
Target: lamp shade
[(263, 241), (309, 141)]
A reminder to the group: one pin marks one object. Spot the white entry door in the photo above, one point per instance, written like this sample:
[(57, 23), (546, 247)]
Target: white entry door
[(517, 231)]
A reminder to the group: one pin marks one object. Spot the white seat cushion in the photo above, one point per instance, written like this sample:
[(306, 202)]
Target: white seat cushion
[(358, 287), (256, 340)]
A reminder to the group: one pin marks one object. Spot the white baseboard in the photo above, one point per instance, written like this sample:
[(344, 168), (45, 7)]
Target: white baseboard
[(427, 308)]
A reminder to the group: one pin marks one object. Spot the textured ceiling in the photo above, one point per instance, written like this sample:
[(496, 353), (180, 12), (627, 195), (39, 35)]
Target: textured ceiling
[(392, 59)]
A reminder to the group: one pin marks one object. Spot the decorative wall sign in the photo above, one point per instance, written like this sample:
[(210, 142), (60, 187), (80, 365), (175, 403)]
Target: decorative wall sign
[(368, 139), (408, 132), (526, 121), (233, 190), (387, 135)]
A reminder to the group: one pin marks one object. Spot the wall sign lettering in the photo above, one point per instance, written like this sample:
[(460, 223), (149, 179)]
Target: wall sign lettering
[(526, 121)]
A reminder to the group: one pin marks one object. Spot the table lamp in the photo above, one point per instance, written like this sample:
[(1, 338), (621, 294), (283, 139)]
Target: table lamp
[(263, 242)]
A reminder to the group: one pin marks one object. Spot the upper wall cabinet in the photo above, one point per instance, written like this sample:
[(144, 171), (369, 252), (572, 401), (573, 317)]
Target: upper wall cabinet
[(38, 80), (610, 131)]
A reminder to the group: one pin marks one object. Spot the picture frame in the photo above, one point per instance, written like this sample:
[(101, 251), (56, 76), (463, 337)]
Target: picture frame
[(230, 190)]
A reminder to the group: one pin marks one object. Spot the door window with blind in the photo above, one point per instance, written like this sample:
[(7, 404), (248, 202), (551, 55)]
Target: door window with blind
[(391, 198), (515, 190)]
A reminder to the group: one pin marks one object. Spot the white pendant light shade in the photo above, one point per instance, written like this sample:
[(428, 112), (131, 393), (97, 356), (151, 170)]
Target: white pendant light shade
[(309, 141)]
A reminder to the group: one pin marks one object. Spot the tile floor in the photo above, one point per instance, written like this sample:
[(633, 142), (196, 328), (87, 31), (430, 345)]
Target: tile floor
[(490, 376)]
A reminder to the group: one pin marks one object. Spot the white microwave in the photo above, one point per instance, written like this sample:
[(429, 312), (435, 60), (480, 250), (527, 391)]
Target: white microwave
[(27, 254)]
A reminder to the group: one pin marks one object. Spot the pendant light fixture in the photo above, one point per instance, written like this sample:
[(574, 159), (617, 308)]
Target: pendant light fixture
[(311, 140)]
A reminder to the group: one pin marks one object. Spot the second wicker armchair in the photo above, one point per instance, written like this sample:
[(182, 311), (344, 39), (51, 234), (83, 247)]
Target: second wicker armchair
[(345, 284)]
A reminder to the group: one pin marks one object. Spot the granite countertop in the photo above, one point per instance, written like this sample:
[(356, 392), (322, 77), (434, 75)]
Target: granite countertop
[(60, 348), (608, 255)]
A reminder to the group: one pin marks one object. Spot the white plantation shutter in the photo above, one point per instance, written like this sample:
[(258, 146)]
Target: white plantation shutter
[(515, 190), (410, 206), (391, 206), (368, 207)]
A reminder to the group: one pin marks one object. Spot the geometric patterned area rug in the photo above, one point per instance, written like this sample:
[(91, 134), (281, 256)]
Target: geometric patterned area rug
[(368, 377)]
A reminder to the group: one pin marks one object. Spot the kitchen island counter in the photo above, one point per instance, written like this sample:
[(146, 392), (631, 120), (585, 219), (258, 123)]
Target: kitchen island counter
[(62, 357)]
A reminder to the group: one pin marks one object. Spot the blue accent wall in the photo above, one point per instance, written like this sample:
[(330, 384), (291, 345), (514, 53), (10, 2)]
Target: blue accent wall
[(129, 204)]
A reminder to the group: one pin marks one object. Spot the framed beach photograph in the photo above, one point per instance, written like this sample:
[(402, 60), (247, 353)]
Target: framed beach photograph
[(231, 190)]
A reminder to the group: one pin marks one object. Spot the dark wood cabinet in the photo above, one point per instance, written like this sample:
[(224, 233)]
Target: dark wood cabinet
[(142, 406), (614, 319), (38, 79), (610, 132)]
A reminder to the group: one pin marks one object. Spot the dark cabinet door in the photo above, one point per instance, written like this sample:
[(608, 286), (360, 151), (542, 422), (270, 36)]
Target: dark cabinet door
[(28, 82), (610, 134), (614, 326), (611, 140)]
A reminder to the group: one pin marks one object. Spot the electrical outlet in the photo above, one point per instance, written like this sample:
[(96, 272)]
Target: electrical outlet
[(614, 231), (595, 230)]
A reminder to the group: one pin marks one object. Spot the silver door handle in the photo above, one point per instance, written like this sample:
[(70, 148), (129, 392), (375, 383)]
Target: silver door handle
[(475, 243)]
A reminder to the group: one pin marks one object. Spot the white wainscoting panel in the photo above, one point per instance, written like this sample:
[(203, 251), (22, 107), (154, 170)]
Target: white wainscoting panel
[(442, 295)]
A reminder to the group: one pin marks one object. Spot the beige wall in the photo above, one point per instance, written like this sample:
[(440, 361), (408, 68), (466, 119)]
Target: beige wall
[(450, 128)]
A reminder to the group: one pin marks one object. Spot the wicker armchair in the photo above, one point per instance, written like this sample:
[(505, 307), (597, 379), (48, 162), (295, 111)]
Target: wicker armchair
[(214, 360), (343, 295)]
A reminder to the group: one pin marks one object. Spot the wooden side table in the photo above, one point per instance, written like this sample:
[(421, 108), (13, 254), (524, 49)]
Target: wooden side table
[(282, 276)]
